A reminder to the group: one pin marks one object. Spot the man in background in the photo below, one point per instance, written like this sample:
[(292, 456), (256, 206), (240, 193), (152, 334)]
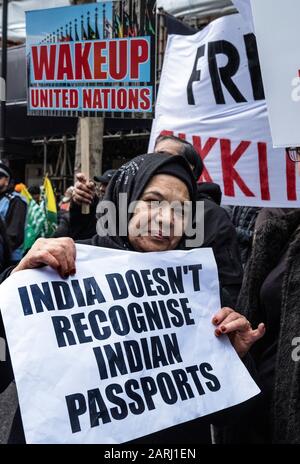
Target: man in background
[(13, 209)]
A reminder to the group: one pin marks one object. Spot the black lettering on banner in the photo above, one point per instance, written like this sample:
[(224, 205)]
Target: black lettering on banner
[(42, 297), (163, 289), (214, 384), (116, 413), (153, 351), (76, 405), (135, 284), (196, 268), (224, 74), (148, 282), (97, 408), (119, 321), (63, 297), (138, 407), (158, 354), (166, 388), (25, 301), (138, 323), (193, 371), (172, 348), (146, 354), (186, 311), (139, 394), (115, 359), (133, 355), (100, 362), (254, 67), (149, 389), (182, 384), (195, 76), (175, 279), (81, 328), (164, 313), (63, 332), (92, 291), (152, 314), (117, 286), (177, 318), (95, 318), (78, 293)]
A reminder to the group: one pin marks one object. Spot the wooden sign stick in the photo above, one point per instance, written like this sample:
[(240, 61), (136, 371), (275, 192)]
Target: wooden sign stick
[(85, 155)]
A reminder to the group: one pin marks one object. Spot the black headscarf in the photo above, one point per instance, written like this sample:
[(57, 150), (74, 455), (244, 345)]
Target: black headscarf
[(132, 179)]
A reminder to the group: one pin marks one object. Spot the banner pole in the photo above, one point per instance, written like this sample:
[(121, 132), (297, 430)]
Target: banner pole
[(85, 154)]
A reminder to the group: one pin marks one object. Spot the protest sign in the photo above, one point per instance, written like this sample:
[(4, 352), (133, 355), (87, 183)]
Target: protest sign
[(123, 349), (244, 8), (278, 48), (211, 94), (94, 59)]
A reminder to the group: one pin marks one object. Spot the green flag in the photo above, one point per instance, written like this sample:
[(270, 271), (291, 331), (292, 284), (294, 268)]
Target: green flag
[(35, 224)]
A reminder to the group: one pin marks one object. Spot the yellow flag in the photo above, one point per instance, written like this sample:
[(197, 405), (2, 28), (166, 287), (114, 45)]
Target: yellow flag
[(49, 196), (22, 189), (50, 207)]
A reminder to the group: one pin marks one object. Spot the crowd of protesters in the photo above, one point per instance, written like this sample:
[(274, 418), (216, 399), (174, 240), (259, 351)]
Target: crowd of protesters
[(257, 252)]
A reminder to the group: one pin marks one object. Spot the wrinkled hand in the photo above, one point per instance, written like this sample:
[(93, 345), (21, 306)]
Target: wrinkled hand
[(58, 253), (84, 191), (238, 329)]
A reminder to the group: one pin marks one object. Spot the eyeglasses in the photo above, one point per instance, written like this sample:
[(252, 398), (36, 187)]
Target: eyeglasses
[(294, 154)]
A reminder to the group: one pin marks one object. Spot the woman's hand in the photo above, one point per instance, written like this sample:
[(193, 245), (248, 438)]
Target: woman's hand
[(238, 329), (84, 191), (58, 253)]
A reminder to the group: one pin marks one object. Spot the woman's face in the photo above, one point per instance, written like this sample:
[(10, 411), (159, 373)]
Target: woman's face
[(158, 221)]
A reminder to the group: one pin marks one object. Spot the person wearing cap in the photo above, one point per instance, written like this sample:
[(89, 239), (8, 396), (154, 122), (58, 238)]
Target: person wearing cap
[(13, 208), (103, 182)]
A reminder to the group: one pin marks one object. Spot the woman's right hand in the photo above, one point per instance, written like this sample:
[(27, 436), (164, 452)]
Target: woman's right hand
[(84, 191), (58, 253)]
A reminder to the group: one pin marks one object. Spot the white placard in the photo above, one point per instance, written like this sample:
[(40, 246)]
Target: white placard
[(211, 93), (277, 31), (124, 348)]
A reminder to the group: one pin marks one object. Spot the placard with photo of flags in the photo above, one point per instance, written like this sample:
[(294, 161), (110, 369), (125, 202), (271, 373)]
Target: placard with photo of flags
[(96, 59)]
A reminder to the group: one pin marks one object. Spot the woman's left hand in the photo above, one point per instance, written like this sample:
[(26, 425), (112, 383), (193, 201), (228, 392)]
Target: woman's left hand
[(238, 329)]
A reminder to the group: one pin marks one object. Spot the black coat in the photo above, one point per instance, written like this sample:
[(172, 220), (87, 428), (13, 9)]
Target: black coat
[(15, 221), (271, 239)]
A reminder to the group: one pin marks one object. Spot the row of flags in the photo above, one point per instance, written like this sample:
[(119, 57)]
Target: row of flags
[(41, 219), (122, 25)]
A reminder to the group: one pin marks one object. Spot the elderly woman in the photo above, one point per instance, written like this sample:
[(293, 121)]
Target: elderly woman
[(148, 181)]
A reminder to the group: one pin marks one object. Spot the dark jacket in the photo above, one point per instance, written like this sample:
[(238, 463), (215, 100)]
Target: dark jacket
[(243, 219), (82, 226), (220, 235), (271, 239), (4, 247), (63, 228), (15, 221)]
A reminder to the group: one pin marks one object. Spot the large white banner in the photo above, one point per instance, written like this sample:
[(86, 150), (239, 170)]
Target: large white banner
[(124, 348), (278, 39), (244, 8), (211, 93)]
